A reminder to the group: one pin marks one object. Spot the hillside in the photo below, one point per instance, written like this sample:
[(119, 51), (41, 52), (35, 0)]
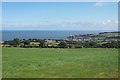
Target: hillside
[(106, 36)]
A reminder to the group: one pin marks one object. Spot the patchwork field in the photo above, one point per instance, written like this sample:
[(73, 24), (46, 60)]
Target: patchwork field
[(62, 63)]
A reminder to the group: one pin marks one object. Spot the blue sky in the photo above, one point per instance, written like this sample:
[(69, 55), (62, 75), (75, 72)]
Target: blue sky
[(100, 16)]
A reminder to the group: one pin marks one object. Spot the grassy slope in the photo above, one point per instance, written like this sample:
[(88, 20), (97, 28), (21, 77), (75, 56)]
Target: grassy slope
[(80, 63)]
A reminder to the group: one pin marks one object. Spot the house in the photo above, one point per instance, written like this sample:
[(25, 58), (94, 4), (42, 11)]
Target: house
[(34, 43)]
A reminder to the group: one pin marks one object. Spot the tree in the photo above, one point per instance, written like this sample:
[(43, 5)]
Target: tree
[(63, 45), (93, 44), (113, 44), (15, 42), (86, 44), (90, 44), (42, 44), (26, 42)]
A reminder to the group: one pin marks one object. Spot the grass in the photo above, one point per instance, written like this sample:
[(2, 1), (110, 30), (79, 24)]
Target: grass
[(60, 63)]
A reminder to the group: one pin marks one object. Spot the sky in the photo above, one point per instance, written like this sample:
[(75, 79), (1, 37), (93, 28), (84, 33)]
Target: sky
[(60, 0), (87, 16)]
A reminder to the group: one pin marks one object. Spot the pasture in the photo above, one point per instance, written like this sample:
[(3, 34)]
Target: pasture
[(59, 63)]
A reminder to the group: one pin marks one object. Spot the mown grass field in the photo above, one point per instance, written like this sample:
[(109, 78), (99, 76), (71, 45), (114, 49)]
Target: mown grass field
[(60, 63)]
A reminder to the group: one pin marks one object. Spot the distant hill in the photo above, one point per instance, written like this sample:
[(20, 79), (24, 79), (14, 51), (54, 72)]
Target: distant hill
[(109, 34), (104, 36)]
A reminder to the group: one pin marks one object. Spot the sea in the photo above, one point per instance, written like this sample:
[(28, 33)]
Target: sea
[(10, 35)]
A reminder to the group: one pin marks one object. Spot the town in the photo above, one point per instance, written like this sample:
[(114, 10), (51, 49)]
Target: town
[(101, 40)]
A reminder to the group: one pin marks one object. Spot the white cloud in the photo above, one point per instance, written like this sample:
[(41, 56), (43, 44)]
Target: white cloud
[(108, 21), (107, 24), (101, 4)]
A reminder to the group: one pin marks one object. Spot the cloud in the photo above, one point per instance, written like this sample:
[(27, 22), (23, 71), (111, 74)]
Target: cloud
[(104, 25), (110, 23), (101, 4)]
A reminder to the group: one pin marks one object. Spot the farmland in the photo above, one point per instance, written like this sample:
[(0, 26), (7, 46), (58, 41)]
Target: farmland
[(60, 63)]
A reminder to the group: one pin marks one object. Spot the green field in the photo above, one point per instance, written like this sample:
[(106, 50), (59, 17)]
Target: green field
[(60, 63)]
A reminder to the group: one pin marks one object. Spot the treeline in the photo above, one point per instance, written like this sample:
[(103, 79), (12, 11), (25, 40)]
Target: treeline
[(94, 44), (38, 43)]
